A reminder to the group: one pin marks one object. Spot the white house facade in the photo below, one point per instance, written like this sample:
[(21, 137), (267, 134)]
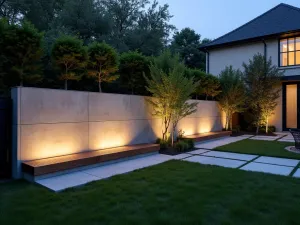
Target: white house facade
[(276, 35)]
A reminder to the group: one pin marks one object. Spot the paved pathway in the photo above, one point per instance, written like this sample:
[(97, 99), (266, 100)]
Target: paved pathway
[(81, 177), (203, 155)]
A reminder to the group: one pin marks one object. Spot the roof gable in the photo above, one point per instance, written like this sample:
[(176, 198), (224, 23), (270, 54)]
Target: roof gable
[(280, 19)]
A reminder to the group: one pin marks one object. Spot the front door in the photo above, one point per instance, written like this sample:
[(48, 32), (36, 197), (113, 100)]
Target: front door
[(290, 104)]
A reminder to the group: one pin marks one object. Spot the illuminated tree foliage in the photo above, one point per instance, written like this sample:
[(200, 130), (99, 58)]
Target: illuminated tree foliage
[(103, 63), (70, 57), (262, 80), (232, 98), (170, 90)]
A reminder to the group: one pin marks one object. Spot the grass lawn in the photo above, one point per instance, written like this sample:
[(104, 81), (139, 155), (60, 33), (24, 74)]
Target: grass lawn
[(174, 192), (266, 148)]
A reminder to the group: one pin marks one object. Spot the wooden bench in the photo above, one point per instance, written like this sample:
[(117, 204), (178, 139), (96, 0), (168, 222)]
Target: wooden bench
[(208, 136), (61, 163)]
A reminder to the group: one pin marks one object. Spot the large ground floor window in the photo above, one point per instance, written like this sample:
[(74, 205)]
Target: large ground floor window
[(291, 101)]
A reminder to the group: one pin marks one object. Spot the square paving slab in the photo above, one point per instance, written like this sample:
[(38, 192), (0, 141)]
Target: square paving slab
[(73, 179), (264, 138), (230, 155), (127, 166), (216, 161), (277, 161), (216, 143), (199, 151), (181, 156), (297, 173), (286, 140), (268, 168), (65, 181)]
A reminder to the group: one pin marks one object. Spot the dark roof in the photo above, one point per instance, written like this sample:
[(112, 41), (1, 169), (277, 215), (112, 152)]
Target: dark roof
[(282, 18)]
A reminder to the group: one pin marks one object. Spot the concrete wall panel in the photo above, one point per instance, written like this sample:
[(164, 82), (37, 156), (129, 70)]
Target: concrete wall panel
[(109, 134), (51, 122), (103, 107), (53, 106), (49, 140)]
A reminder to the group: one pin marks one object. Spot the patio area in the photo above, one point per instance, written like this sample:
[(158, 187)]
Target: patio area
[(204, 154)]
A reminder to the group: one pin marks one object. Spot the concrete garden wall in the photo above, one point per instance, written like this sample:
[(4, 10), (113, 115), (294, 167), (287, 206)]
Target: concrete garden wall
[(49, 122)]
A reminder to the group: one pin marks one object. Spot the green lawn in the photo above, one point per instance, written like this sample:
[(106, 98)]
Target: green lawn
[(266, 148), (175, 192)]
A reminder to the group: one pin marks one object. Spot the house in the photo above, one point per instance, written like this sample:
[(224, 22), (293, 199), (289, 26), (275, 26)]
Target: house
[(275, 34)]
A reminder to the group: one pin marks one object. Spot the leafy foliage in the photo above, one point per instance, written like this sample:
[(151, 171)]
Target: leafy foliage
[(209, 86), (103, 63), (133, 67), (186, 43), (85, 18), (262, 81), (232, 98), (70, 56), (171, 90), (21, 51)]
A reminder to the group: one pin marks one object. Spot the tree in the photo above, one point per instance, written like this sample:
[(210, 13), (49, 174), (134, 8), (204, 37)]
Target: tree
[(133, 66), (151, 33), (170, 91), (85, 18), (12, 10), (103, 62), (209, 86), (70, 56), (232, 98), (262, 81), (199, 77), (186, 43), (21, 51), (41, 13), (136, 25)]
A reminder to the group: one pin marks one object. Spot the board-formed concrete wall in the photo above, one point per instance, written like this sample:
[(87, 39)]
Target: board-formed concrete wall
[(49, 122)]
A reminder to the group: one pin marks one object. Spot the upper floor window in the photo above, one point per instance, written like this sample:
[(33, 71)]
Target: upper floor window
[(290, 51)]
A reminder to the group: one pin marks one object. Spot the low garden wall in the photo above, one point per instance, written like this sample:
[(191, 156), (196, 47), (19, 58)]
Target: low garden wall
[(49, 122)]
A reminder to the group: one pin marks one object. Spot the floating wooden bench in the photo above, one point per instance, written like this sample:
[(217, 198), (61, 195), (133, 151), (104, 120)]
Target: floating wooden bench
[(67, 162), (208, 136)]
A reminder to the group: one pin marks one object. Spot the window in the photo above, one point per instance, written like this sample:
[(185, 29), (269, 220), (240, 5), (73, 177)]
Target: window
[(290, 51)]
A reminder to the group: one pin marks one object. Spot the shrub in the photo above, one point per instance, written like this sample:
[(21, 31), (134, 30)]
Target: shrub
[(189, 142), (181, 146), (271, 129), (180, 134), (163, 143), (236, 129)]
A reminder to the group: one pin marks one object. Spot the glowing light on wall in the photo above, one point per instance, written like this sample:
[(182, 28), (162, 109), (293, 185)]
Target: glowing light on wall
[(113, 141)]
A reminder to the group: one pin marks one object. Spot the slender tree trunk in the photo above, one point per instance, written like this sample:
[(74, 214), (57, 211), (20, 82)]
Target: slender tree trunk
[(230, 121), (99, 81), (66, 84), (174, 133), (166, 127), (226, 122), (173, 137), (257, 129), (206, 97), (267, 125), (99, 85)]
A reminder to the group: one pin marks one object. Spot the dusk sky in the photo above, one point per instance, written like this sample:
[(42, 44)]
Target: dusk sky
[(213, 18)]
